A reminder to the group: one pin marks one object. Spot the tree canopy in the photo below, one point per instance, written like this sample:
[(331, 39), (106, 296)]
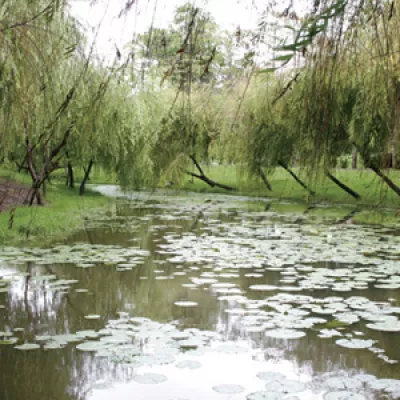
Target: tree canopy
[(197, 94)]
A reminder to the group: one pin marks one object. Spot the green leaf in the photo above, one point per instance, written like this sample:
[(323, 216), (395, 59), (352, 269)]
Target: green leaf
[(266, 70), (286, 57)]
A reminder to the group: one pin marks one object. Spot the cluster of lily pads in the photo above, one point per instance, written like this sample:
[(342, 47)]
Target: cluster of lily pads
[(228, 244), (290, 316), (81, 255), (141, 342)]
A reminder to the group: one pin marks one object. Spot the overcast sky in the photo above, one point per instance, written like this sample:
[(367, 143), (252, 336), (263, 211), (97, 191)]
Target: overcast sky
[(228, 14)]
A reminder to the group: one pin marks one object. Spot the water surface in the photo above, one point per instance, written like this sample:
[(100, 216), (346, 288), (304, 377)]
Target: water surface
[(176, 297)]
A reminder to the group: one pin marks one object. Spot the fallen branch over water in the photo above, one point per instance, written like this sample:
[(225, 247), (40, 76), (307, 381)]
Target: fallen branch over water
[(202, 176)]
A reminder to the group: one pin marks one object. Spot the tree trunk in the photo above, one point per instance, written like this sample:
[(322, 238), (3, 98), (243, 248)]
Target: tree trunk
[(371, 165), (342, 186), (34, 194), (44, 188), (85, 178), (354, 158), (296, 178), (394, 156), (202, 176), (348, 217), (21, 166), (396, 128), (385, 179), (210, 182), (50, 164), (70, 175), (264, 179)]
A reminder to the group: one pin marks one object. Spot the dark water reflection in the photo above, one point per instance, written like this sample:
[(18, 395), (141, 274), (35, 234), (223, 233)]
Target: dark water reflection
[(150, 290)]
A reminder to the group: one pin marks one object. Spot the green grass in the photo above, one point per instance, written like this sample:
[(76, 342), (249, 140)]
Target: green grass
[(373, 192), (64, 213)]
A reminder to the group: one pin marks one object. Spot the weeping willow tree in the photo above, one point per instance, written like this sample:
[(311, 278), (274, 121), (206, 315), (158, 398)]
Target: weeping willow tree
[(40, 80), (188, 136), (260, 140), (188, 130), (135, 130), (61, 108), (343, 91)]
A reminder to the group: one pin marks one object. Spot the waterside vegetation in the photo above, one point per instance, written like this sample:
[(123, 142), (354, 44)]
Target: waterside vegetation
[(191, 106)]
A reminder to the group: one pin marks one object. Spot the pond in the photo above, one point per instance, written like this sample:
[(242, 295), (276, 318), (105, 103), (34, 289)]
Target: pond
[(175, 297)]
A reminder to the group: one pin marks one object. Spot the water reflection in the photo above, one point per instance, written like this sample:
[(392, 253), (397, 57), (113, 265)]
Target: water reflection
[(151, 290)]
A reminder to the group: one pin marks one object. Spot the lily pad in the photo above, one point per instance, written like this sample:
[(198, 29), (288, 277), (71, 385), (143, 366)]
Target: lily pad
[(264, 395), (263, 288), (92, 316), (28, 346), (285, 334), (386, 326), (150, 379), (186, 304), (355, 343), (270, 376), (343, 395), (8, 341), (285, 386), (228, 389), (90, 346)]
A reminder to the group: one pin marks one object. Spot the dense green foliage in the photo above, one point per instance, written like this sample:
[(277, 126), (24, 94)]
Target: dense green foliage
[(189, 99)]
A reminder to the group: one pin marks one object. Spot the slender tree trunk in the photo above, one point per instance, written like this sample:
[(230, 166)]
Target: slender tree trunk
[(264, 179), (70, 175), (342, 186), (371, 165), (50, 164), (85, 178), (354, 158), (348, 217), (21, 166), (394, 155), (84, 172), (385, 179), (396, 129), (296, 178)]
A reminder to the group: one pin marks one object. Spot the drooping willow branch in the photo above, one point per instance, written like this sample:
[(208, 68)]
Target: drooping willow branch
[(46, 11)]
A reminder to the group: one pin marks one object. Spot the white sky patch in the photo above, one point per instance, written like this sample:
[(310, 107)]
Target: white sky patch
[(117, 31)]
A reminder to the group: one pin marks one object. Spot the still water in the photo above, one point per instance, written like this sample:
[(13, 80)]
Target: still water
[(199, 297)]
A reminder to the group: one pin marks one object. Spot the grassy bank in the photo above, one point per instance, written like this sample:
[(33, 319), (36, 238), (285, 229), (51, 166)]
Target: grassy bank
[(372, 190), (64, 213)]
